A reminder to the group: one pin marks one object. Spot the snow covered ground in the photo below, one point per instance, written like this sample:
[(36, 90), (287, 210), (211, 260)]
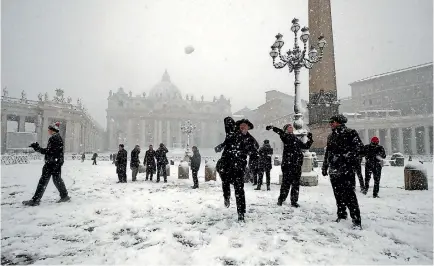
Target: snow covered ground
[(146, 223)]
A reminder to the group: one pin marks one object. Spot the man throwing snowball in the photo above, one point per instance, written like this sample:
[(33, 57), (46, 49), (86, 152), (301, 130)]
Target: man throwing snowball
[(52, 167)]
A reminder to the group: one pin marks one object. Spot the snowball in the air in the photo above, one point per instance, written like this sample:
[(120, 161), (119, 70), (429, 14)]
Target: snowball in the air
[(189, 49)]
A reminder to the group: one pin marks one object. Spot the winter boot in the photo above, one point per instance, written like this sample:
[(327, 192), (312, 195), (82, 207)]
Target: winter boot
[(340, 218), (295, 205), (357, 224), (30, 203), (195, 186), (165, 180), (279, 203), (64, 199), (376, 196), (258, 187), (227, 203), (268, 187), (241, 217)]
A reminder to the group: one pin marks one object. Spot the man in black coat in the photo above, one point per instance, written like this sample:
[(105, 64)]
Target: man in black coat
[(253, 169), (373, 152), (162, 161), (52, 167), (94, 158), (195, 161), (135, 162), (236, 149), (222, 163), (121, 164), (149, 162), (292, 160), (265, 153), (344, 148)]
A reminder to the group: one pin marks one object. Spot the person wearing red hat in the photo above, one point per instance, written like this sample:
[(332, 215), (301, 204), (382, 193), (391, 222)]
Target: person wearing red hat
[(374, 153), (52, 167)]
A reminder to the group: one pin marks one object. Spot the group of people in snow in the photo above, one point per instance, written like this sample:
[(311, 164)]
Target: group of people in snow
[(342, 161)]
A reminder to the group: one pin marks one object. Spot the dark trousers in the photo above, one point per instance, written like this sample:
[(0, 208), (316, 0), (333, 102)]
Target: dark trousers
[(290, 181), (122, 174), (261, 177), (47, 171), (358, 169), (134, 171), (194, 174), (149, 174), (161, 170), (237, 178), (374, 170), (343, 188), (94, 162)]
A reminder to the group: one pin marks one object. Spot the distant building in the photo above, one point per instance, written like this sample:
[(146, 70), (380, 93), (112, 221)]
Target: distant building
[(397, 107), (157, 118)]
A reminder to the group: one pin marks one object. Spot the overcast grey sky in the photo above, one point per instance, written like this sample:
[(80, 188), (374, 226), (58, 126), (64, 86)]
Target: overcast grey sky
[(89, 47)]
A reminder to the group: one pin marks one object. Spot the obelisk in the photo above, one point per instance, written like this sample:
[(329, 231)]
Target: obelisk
[(322, 77)]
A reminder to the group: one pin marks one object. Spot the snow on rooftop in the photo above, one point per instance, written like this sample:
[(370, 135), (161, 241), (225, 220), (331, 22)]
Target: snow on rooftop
[(392, 72)]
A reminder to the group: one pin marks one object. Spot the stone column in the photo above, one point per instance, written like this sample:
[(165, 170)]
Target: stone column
[(45, 123), (377, 134), (388, 141), (77, 137), (143, 133), (400, 140), (22, 124), (4, 121), (130, 138), (160, 131), (38, 128), (413, 141), (179, 133), (68, 136), (168, 141), (366, 136), (426, 140), (155, 137)]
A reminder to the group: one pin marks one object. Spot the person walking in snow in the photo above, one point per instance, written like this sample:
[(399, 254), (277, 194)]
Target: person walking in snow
[(265, 153), (53, 166), (344, 148), (292, 160), (121, 164), (83, 156), (162, 161), (195, 161), (149, 162), (237, 147), (135, 162), (374, 153), (94, 158)]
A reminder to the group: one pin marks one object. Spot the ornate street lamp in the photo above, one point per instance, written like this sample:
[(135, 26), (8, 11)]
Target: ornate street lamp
[(188, 128), (295, 60)]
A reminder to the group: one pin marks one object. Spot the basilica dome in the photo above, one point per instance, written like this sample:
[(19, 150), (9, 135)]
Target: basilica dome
[(165, 89)]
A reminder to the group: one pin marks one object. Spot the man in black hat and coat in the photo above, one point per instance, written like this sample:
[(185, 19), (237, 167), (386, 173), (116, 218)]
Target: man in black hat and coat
[(52, 167), (195, 161), (162, 161), (292, 160), (237, 147), (121, 164), (265, 153), (343, 151), (149, 162)]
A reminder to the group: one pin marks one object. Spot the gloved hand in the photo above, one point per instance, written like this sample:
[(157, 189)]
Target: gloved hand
[(217, 149), (324, 172), (35, 145), (269, 127), (309, 135)]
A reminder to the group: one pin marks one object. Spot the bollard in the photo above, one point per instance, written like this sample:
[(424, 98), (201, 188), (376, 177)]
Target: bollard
[(168, 169), (183, 170), (210, 171), (415, 177), (142, 169)]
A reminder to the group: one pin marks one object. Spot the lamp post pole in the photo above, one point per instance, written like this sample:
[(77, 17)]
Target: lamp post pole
[(296, 59)]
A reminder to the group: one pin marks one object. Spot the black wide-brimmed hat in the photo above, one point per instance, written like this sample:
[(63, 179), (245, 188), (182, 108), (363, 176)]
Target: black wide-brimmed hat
[(341, 119), (245, 121)]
